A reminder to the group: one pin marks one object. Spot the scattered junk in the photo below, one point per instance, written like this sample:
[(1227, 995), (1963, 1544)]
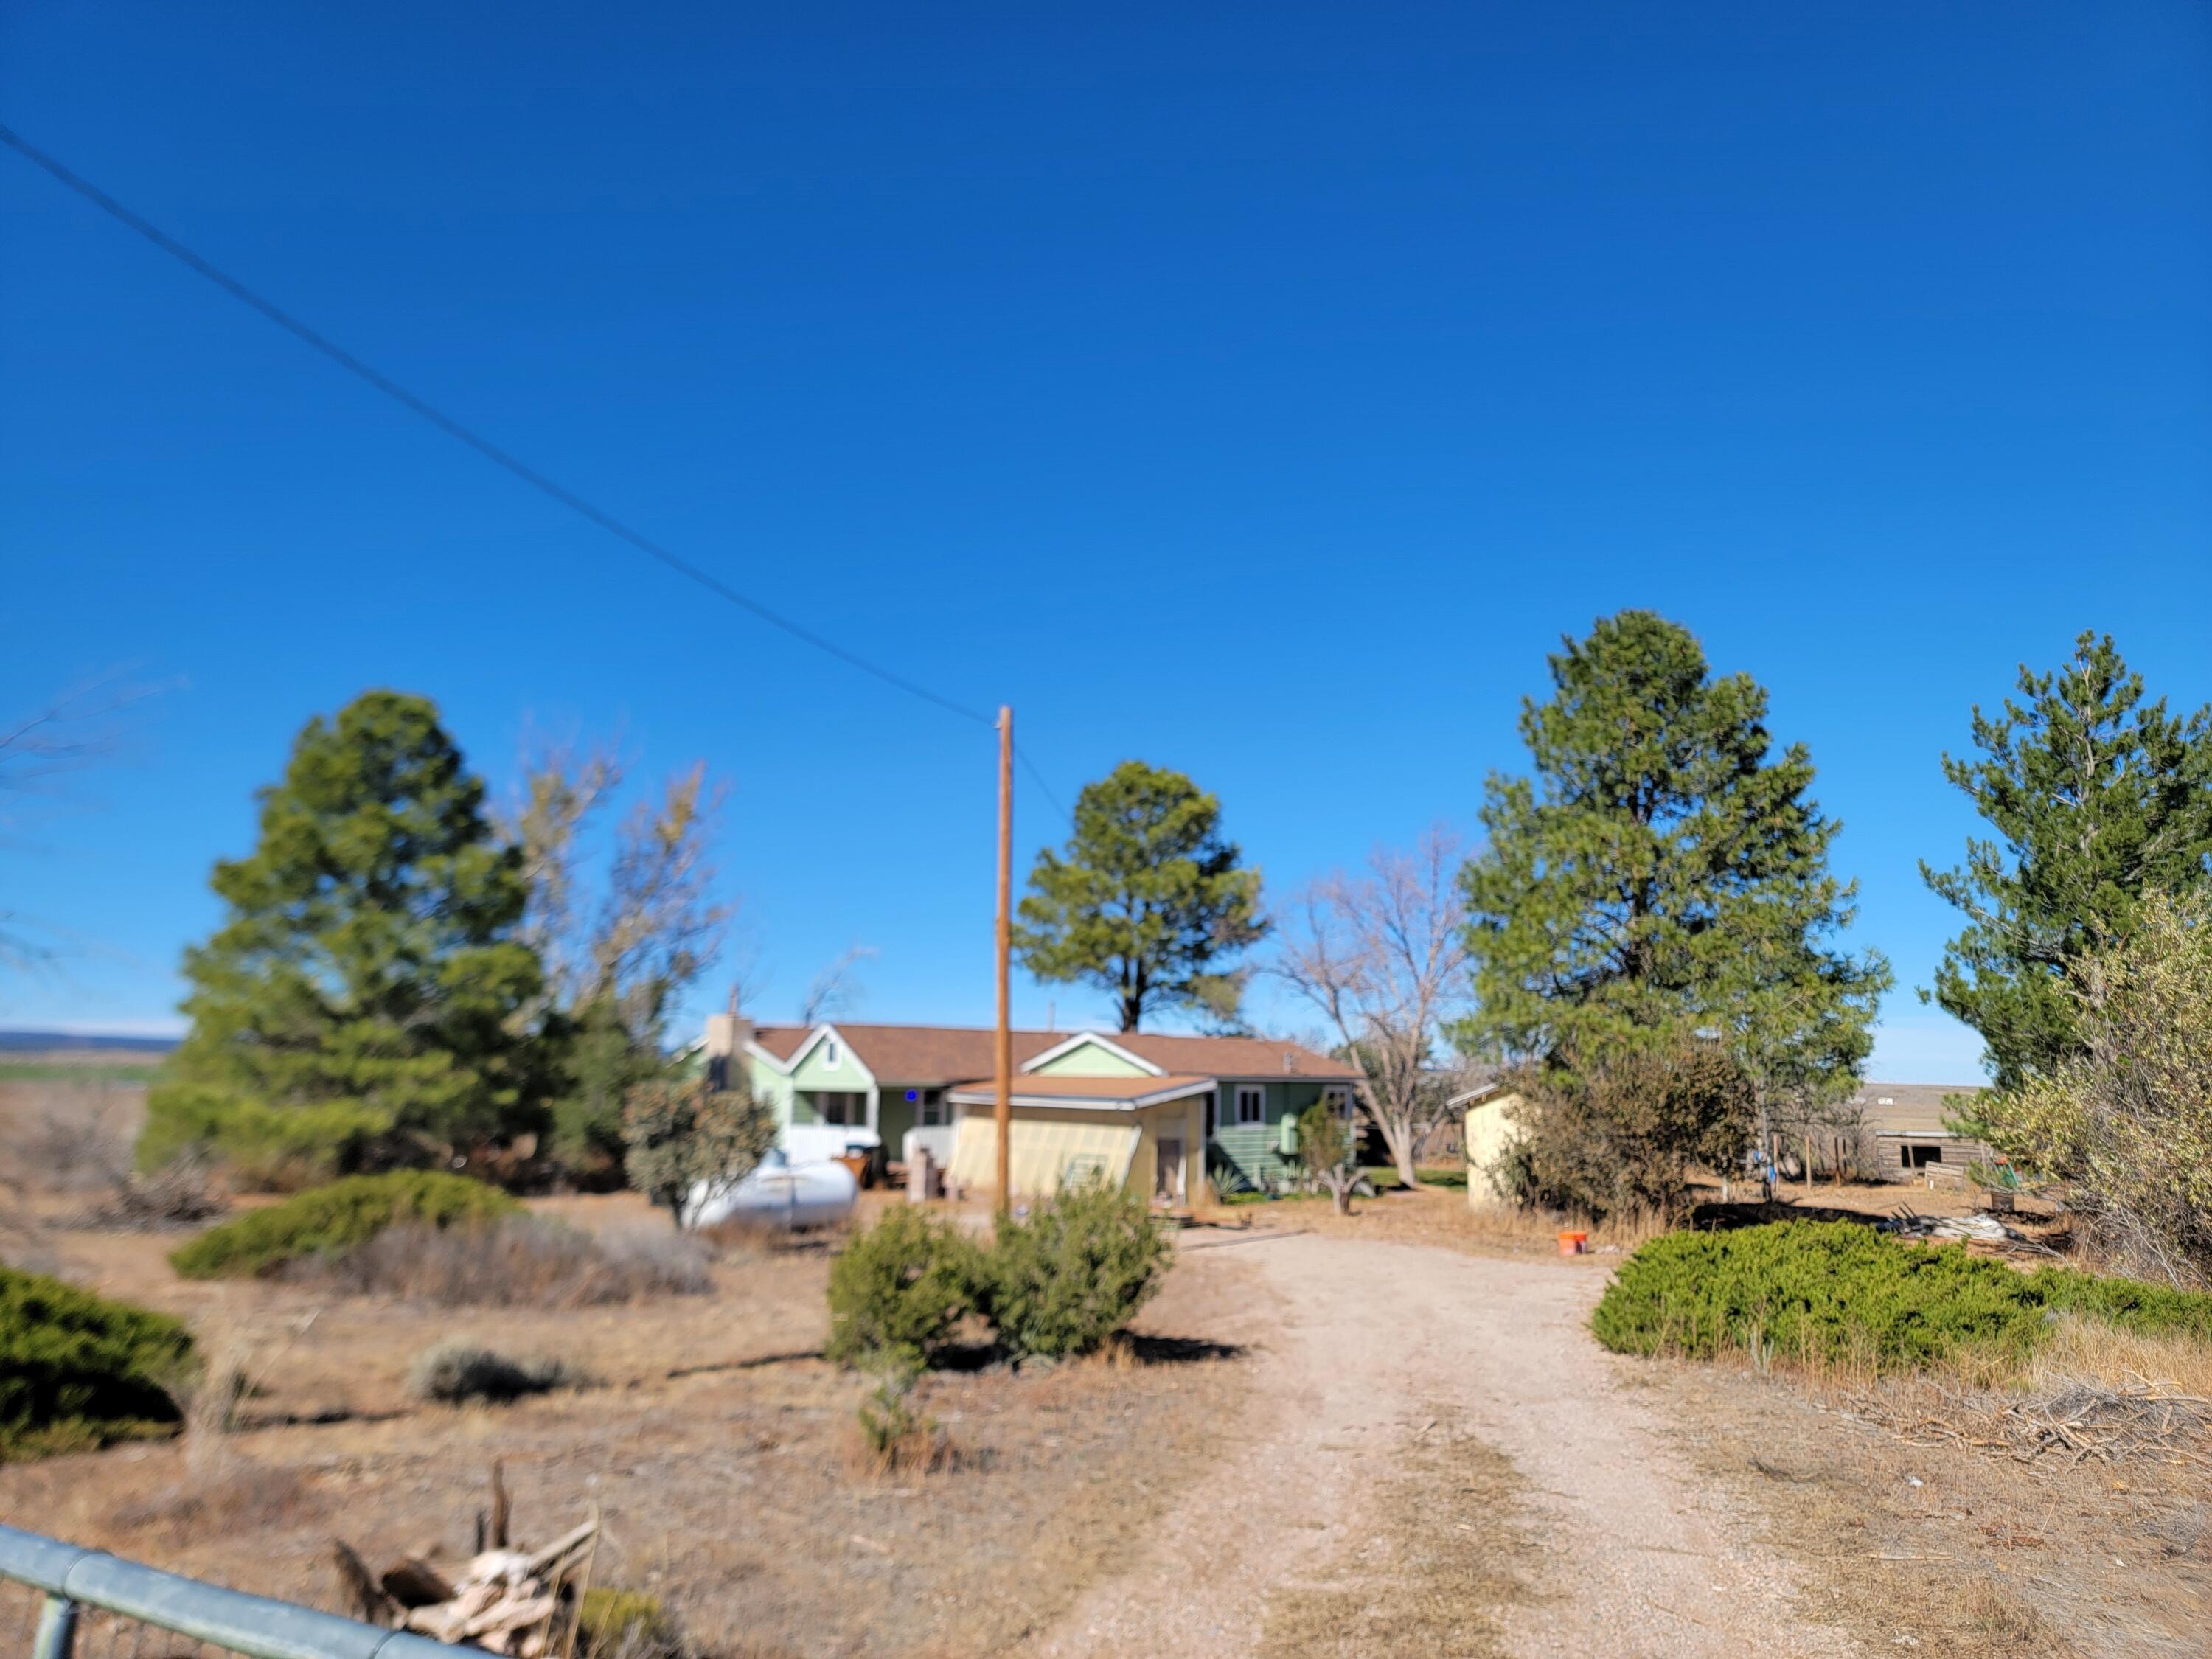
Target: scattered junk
[(2077, 1423), (1985, 1230), (505, 1600), (782, 1194), (1574, 1243)]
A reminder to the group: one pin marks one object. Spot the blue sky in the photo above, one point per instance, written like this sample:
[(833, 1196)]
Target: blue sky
[(1260, 392)]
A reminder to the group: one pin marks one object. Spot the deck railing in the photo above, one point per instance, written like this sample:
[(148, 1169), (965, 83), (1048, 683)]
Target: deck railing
[(74, 1600)]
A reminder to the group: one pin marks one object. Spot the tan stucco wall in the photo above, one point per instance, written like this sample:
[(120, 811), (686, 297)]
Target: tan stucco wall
[(1045, 1139), (1491, 1133)]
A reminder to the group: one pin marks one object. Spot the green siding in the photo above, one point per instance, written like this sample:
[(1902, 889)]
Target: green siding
[(1244, 1156), (1090, 1060), (771, 1086), (847, 1075)]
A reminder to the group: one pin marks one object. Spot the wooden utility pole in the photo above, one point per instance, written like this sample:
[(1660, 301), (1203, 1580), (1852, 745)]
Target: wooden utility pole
[(1005, 1073)]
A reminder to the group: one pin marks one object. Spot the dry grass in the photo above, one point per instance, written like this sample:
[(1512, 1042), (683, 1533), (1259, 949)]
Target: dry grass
[(525, 1262), (718, 1445), (1440, 1216), (1935, 1549), (1444, 1548)]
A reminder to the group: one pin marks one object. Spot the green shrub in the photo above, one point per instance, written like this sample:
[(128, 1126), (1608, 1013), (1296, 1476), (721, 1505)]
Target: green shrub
[(626, 1624), (77, 1372), (326, 1220), (1074, 1273), (1840, 1292), (899, 1289)]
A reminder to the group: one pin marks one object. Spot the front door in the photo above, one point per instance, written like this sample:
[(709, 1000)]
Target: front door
[(1167, 1171)]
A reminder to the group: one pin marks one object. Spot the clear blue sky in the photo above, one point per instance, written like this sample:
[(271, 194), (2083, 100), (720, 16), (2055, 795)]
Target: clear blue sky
[(1258, 391)]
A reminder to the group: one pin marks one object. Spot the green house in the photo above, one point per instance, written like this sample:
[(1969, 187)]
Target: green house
[(1164, 1112)]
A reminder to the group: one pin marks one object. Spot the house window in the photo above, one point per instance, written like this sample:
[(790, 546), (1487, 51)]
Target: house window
[(930, 1112), (1212, 1111), (847, 1111), (831, 1057), (1338, 1099), (1251, 1104)]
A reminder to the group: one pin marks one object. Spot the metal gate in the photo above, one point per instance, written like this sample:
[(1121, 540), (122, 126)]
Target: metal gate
[(64, 1601)]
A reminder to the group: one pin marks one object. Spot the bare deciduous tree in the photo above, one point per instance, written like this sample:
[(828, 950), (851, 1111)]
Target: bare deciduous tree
[(658, 927), (655, 927), (835, 990), (1381, 954), (561, 790)]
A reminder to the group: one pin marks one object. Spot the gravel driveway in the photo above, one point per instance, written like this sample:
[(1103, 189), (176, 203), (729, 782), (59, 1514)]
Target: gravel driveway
[(1366, 1343)]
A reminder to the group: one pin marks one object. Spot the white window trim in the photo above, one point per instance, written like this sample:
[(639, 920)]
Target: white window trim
[(1259, 1090), (833, 1053)]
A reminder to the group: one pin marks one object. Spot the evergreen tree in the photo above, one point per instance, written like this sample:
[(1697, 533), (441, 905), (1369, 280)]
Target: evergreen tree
[(362, 1002), (1662, 876), (2097, 797), (1146, 901)]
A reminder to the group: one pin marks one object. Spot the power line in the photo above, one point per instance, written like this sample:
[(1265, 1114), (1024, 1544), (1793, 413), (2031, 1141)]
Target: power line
[(1037, 778), (476, 441)]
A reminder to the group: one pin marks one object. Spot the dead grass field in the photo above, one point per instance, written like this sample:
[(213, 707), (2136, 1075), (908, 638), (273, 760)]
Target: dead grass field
[(1939, 1549), (1435, 1516), (722, 1450)]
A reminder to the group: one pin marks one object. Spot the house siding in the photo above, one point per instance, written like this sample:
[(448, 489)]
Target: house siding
[(1245, 1157), (1089, 1060)]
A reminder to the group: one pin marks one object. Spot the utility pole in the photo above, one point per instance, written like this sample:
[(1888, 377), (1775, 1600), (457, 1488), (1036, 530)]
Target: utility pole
[(1006, 1034)]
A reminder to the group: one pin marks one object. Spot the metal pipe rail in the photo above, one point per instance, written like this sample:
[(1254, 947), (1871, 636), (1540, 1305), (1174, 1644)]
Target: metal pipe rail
[(71, 1577)]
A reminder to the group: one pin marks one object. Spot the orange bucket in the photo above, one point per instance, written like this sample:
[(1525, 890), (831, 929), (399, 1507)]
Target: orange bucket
[(1574, 1243)]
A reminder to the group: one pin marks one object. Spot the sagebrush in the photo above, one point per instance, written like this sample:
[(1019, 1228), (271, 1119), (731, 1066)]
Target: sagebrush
[(456, 1373), (518, 1261), (78, 1371), (1838, 1293), (326, 1220)]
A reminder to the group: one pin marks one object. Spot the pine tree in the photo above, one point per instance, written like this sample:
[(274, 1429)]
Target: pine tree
[(1663, 876), (1147, 900), (2096, 796), (361, 1001)]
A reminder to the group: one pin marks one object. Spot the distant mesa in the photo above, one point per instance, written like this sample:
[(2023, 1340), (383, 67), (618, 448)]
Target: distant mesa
[(54, 1042)]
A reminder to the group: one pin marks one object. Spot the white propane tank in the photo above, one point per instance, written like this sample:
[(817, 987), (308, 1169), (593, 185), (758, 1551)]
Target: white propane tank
[(782, 1194)]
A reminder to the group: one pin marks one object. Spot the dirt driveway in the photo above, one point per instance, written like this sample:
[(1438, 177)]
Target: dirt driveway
[(1598, 1538)]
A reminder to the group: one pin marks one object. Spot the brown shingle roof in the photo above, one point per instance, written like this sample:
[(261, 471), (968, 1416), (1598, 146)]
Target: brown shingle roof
[(928, 1055), (1229, 1057), (935, 1054)]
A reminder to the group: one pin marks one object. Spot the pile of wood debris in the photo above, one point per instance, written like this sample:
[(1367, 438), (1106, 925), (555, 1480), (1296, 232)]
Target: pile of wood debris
[(504, 1600), (2080, 1421)]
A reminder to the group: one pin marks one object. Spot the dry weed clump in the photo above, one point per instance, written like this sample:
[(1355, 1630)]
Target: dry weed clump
[(184, 1193), (72, 1148), (893, 1437), (458, 1373), (221, 1489), (521, 1261)]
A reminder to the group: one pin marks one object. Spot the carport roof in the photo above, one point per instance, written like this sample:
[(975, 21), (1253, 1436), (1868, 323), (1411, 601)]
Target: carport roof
[(1112, 1094)]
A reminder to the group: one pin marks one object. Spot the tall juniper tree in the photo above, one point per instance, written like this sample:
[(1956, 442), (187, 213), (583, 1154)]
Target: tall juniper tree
[(2096, 796), (363, 999), (1663, 876)]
